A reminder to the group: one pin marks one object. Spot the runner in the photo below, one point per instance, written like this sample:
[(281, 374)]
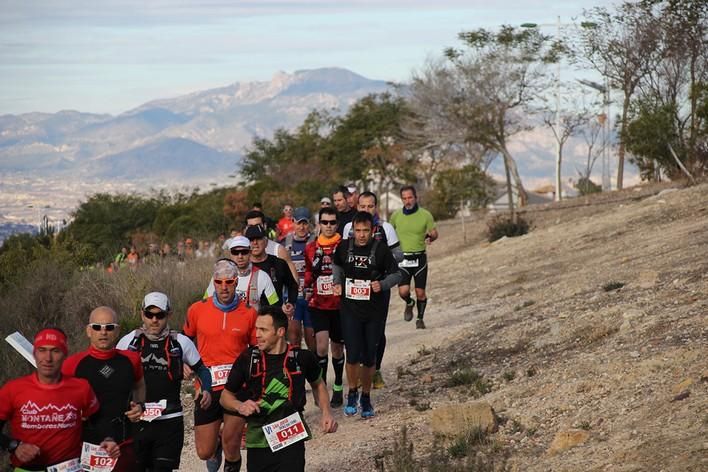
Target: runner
[(274, 267), (253, 286), (384, 232), (285, 225), (274, 375), (256, 217), (363, 270), (223, 327), (46, 411), (163, 353), (323, 304), (353, 198), (117, 379), (295, 244), (415, 228), (345, 212)]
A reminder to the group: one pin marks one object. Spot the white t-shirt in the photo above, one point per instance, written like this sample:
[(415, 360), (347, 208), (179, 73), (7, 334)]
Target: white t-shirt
[(264, 286), (190, 355), (391, 236)]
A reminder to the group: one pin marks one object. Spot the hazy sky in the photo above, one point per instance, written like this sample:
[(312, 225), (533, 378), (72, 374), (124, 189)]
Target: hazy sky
[(109, 55)]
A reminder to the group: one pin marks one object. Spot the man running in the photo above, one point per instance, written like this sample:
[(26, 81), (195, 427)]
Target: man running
[(163, 353), (345, 212), (323, 303), (46, 411), (415, 228), (363, 270), (272, 379), (223, 327), (256, 217), (117, 379), (295, 244), (274, 267), (384, 232), (285, 224)]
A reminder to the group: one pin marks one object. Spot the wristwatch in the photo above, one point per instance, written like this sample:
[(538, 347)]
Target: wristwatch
[(14, 444)]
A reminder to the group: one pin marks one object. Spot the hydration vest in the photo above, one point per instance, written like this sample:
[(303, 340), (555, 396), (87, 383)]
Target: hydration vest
[(171, 347)]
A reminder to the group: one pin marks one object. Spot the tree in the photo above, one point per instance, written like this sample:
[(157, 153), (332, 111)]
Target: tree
[(456, 189), (622, 46)]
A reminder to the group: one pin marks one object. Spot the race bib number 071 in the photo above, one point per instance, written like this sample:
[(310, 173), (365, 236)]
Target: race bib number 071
[(356, 289), (96, 459), (219, 374), (285, 432)]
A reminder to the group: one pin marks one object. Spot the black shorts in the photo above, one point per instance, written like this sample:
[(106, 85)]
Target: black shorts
[(327, 320), (215, 412), (414, 266), (362, 338), (288, 459), (158, 444)]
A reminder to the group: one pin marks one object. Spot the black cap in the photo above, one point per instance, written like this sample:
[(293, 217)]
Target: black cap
[(255, 232)]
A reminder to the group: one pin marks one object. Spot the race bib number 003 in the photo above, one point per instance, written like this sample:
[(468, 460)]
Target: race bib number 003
[(325, 284), (282, 433), (219, 374), (95, 459), (153, 410), (72, 465), (356, 289)]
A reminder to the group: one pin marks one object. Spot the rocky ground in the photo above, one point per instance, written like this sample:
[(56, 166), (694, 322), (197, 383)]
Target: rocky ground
[(587, 337)]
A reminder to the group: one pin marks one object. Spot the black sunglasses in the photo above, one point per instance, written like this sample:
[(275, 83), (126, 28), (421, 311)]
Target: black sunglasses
[(328, 222), (106, 326), (160, 315), (240, 252)]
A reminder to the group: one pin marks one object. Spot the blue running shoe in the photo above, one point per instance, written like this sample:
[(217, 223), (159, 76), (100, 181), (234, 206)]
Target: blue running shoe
[(351, 407), (367, 409)]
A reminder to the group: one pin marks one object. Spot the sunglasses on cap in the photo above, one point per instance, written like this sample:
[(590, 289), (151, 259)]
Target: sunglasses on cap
[(224, 281), (240, 252), (328, 222), (160, 315), (106, 326)]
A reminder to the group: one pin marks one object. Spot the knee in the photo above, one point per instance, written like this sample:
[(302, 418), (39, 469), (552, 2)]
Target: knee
[(206, 451)]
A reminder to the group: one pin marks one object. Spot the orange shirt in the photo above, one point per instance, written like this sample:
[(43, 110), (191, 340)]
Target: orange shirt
[(221, 336)]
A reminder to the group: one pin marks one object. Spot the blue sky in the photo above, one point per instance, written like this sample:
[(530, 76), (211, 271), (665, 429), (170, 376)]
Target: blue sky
[(108, 56)]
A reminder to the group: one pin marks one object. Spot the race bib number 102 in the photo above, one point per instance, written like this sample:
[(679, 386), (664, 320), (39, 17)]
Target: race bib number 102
[(96, 459)]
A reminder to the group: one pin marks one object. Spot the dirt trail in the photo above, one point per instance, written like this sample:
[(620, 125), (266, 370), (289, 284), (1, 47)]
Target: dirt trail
[(608, 361)]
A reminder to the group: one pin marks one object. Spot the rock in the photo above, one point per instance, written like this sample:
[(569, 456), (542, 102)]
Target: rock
[(648, 278), (564, 440), (452, 420), (681, 396), (680, 387), (426, 379)]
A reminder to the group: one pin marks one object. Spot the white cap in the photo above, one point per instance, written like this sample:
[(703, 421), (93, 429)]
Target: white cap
[(157, 299), (239, 241)]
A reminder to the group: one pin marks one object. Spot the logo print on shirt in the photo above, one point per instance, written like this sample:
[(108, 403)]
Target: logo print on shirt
[(361, 262), (106, 371), (152, 358)]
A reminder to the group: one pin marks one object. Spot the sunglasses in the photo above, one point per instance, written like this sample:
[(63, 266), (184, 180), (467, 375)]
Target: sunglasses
[(106, 326), (328, 222), (160, 315), (224, 281), (240, 252)]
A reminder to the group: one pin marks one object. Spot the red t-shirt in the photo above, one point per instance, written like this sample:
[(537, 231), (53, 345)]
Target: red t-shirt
[(318, 274), (285, 226), (48, 416)]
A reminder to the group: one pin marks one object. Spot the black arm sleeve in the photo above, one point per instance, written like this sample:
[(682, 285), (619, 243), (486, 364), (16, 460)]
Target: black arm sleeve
[(4, 439), (290, 283)]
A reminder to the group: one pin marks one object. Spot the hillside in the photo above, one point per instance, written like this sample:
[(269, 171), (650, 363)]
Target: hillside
[(593, 324)]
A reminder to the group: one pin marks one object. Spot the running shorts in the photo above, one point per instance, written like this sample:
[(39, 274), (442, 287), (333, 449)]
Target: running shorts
[(158, 444), (414, 266), (327, 320), (302, 313), (288, 459), (361, 338)]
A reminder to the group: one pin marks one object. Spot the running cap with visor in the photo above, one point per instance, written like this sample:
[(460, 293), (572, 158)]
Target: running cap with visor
[(239, 241), (156, 299), (255, 232), (301, 214)]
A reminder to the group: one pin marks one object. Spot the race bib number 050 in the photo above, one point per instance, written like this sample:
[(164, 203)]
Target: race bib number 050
[(282, 433), (95, 459), (219, 374), (325, 284), (356, 289), (153, 410)]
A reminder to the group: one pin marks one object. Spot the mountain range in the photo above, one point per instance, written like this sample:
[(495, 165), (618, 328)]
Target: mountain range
[(198, 135)]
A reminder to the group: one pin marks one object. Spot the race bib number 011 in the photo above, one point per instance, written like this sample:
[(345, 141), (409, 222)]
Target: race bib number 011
[(219, 374), (325, 284), (95, 459), (356, 289), (72, 465), (282, 433), (153, 410)]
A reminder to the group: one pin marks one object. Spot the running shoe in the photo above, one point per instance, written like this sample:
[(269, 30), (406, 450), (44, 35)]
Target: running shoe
[(378, 381), (337, 399), (367, 409), (408, 311), (419, 323), (351, 408)]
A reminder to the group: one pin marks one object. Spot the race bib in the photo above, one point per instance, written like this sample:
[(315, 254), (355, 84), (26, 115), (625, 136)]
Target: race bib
[(325, 284), (299, 266), (153, 410), (408, 263), (219, 374), (72, 465), (95, 459), (356, 289), (282, 433)]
